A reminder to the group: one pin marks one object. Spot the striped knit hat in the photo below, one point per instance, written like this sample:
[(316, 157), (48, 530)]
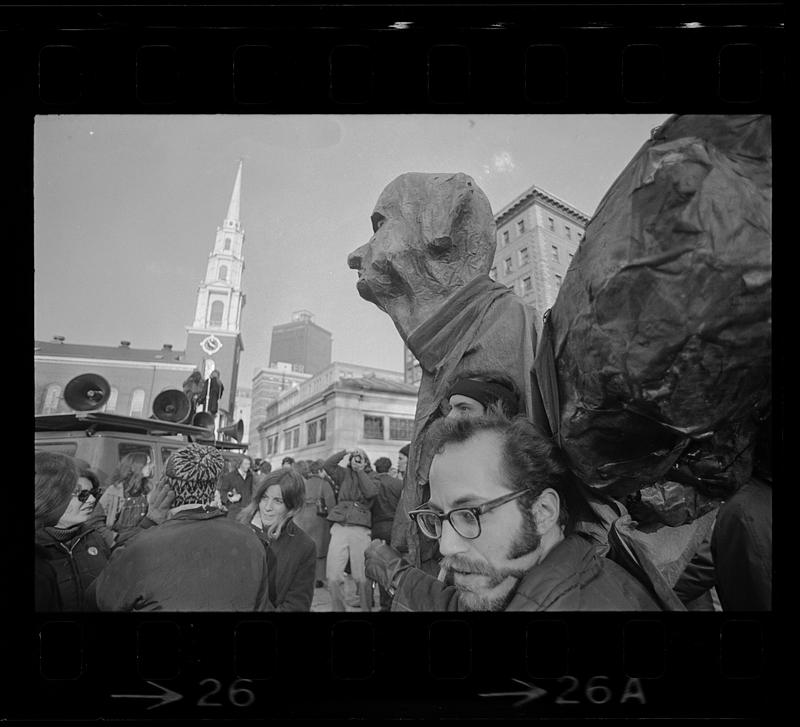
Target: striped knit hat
[(192, 474)]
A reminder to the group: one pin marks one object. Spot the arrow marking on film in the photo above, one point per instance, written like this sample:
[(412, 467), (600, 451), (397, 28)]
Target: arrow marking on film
[(532, 692), (165, 697)]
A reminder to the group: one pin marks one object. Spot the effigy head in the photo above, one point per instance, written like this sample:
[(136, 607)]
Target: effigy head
[(432, 233)]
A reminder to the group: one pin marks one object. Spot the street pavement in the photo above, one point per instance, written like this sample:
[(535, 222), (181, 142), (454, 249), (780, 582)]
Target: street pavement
[(322, 598)]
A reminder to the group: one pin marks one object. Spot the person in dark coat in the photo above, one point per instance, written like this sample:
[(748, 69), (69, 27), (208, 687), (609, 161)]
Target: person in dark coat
[(198, 560), (236, 488), (352, 520), (193, 389), (55, 481), (213, 389), (291, 553), (76, 550), (312, 518), (502, 509), (384, 507)]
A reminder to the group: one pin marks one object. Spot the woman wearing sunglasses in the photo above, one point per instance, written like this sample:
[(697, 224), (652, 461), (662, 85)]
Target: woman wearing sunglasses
[(75, 550)]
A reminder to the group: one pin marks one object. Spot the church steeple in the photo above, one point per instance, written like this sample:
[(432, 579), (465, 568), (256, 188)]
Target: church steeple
[(219, 297), (233, 207), (214, 341)]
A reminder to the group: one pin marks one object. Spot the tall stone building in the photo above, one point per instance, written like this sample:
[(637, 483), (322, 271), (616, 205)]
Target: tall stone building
[(537, 236), (214, 340), (268, 383), (301, 343)]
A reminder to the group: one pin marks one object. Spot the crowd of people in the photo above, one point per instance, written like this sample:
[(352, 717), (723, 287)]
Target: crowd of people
[(206, 538), (510, 529)]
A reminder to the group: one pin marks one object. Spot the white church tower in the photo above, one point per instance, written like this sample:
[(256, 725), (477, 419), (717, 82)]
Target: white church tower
[(214, 340)]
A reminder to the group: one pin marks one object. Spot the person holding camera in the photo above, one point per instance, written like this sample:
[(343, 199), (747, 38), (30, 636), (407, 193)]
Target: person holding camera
[(352, 522)]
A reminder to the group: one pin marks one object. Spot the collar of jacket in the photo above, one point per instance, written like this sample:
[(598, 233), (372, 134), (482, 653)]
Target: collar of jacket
[(201, 512), (455, 323), (46, 540), (571, 564)]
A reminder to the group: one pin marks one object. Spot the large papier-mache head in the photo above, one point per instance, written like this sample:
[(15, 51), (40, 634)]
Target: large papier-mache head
[(432, 233)]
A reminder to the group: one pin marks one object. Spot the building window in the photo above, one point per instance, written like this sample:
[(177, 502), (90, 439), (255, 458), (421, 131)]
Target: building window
[(558, 281), (505, 237), (520, 226), (526, 284), (315, 431), (580, 235), (272, 444), (51, 397), (568, 232), (400, 428), (111, 405), (227, 243), (373, 427), (508, 267), (554, 248), (291, 438), (524, 256), (493, 273), (223, 272), (137, 402), (551, 224), (217, 309)]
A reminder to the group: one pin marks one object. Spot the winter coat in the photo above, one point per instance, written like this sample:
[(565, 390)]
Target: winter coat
[(198, 560), (357, 490), (384, 505), (572, 577), (292, 560), (316, 527), (46, 596), (76, 563), (243, 485)]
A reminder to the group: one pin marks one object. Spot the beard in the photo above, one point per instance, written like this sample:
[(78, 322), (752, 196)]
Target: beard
[(484, 587)]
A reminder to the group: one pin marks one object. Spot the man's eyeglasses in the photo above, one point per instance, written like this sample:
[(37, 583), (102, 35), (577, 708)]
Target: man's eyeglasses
[(464, 520), (83, 495)]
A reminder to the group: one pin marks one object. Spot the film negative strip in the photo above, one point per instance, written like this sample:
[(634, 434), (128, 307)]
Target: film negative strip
[(518, 59)]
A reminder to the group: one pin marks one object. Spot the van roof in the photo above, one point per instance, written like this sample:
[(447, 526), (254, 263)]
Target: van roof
[(93, 421)]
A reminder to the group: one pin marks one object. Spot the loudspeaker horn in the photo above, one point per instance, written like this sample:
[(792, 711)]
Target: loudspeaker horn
[(235, 431), (87, 392), (205, 420), (172, 405)]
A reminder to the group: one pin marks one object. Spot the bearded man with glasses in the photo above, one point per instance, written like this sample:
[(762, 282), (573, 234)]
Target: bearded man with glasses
[(502, 507)]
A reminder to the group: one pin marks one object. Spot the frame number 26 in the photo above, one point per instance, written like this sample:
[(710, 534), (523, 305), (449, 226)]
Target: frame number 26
[(238, 695)]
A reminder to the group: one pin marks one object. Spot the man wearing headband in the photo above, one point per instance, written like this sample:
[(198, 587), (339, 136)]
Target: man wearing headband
[(198, 560), (473, 394)]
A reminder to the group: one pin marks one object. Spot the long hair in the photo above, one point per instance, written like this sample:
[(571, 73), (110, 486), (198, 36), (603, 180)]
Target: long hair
[(129, 474), (293, 491), (56, 477)]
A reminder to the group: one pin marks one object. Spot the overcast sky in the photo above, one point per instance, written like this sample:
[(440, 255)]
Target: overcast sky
[(127, 207)]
